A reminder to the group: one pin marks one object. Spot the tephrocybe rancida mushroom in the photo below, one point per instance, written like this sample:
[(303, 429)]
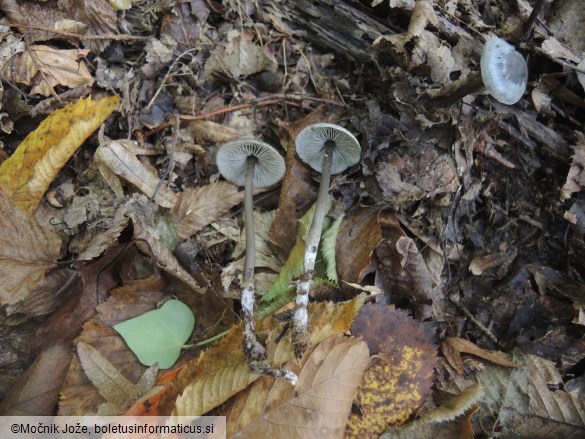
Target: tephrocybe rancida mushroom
[(328, 149), (252, 163), (503, 73)]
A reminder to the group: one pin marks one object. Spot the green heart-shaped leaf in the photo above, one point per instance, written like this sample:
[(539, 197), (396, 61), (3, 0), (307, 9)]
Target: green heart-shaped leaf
[(157, 336)]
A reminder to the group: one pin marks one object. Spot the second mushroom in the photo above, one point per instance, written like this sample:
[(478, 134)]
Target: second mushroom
[(328, 149)]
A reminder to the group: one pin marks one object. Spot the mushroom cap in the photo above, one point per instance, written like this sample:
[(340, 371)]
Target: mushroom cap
[(310, 145), (232, 161), (504, 71)]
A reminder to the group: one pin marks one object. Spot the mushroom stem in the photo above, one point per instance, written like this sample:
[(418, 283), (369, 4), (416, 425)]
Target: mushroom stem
[(301, 317), (317, 224), (251, 343), (250, 260)]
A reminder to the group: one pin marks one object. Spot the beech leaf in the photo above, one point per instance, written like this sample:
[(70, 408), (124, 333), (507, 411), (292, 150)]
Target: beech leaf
[(158, 336), (528, 402), (120, 158), (317, 406), (26, 175)]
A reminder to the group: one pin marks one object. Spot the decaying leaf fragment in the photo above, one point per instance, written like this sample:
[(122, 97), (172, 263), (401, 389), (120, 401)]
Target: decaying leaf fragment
[(453, 346), (44, 67), (238, 58), (428, 50), (26, 175), (360, 232), (27, 252), (267, 263), (105, 239), (157, 235), (317, 406), (575, 178), (118, 392)]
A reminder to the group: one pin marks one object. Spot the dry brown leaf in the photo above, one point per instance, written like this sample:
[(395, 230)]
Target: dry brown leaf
[(267, 263), (428, 51), (222, 371), (118, 392), (208, 132), (23, 261), (404, 270), (361, 233), (412, 177), (120, 158), (26, 175), (481, 264), (36, 392), (44, 67), (555, 49), (97, 14), (459, 428), (400, 377), (452, 347), (47, 295), (316, 407), (198, 207), (452, 408)]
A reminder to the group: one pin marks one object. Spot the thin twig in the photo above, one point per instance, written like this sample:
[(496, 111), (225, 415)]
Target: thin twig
[(164, 80), (470, 316), (529, 25), (121, 37)]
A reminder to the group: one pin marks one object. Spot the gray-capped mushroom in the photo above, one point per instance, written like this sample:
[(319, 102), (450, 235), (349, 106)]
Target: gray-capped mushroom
[(252, 163), (503, 73), (328, 149)]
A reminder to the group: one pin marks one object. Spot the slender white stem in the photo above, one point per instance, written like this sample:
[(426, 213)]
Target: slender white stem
[(252, 346), (300, 318)]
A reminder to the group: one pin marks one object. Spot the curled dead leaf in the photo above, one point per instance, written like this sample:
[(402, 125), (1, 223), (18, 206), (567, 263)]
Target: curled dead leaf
[(452, 347)]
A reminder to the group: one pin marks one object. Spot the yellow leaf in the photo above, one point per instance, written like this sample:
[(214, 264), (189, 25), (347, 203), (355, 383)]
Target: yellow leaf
[(26, 175)]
